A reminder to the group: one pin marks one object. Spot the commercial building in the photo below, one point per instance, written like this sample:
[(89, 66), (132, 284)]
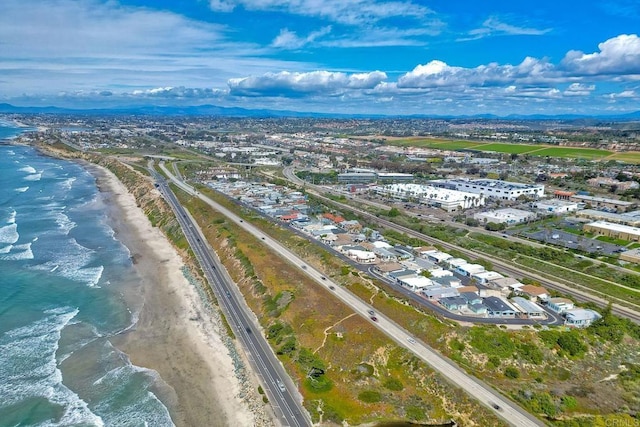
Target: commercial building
[(603, 203), (446, 199), (555, 206), (493, 188), (632, 255), (628, 218), (507, 216), (616, 231)]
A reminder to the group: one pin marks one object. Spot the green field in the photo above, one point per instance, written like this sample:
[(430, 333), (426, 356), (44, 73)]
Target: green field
[(531, 149), (439, 144), (578, 153), (509, 148), (630, 157)]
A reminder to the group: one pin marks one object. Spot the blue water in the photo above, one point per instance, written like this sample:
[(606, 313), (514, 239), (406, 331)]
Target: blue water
[(63, 282)]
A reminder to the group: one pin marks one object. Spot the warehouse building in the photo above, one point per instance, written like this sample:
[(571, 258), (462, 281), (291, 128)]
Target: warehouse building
[(507, 216), (615, 231), (446, 199), (493, 188)]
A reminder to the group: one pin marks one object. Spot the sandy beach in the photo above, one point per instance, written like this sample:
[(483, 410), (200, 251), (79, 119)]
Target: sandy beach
[(175, 335)]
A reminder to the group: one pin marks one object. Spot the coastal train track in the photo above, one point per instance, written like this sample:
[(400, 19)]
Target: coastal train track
[(288, 409), (579, 295)]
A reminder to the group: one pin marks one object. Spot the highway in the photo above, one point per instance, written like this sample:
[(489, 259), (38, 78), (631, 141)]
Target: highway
[(499, 265), (502, 407), (282, 394)]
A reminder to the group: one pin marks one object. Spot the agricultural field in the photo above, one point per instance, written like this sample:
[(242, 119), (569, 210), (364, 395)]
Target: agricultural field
[(581, 153), (530, 149), (509, 148), (438, 144), (629, 157)]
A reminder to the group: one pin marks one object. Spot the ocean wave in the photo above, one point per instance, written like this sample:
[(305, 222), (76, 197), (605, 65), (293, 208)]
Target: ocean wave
[(21, 189), (28, 368), (33, 177), (28, 169), (73, 264), (64, 222), (68, 183), (143, 407), (18, 253), (9, 233), (12, 217)]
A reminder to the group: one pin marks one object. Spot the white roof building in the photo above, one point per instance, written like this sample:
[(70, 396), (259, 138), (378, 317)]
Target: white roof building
[(455, 262), (556, 206), (441, 273), (417, 283), (486, 276), (494, 188), (435, 256), (505, 216), (580, 317), (469, 269), (447, 199), (361, 256)]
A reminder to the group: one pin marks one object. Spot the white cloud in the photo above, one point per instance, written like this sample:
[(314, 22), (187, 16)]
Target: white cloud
[(617, 56), (290, 40), (296, 84), (624, 94), (579, 89), (221, 5), (92, 45), (493, 26), (349, 12), (437, 73)]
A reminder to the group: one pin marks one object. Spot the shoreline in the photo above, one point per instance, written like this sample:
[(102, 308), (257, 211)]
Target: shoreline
[(175, 334)]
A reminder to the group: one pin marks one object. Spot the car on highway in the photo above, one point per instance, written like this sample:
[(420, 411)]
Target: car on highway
[(281, 386), (331, 287), (323, 278), (371, 312), (374, 318), (496, 406), (411, 340)]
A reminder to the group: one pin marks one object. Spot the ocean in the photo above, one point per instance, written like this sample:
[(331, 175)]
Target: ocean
[(65, 282)]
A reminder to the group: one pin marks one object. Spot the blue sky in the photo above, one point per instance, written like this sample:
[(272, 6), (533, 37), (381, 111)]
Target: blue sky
[(331, 56)]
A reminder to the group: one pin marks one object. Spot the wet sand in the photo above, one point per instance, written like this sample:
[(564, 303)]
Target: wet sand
[(175, 335)]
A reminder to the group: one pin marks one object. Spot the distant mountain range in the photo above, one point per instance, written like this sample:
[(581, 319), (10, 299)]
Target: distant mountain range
[(213, 110)]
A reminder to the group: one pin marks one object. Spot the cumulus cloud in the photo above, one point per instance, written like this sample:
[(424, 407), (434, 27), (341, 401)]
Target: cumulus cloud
[(290, 40), (437, 74), (298, 84), (349, 12), (617, 56)]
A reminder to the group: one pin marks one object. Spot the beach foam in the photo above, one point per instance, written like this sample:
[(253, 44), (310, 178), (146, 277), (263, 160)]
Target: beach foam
[(9, 233), (21, 189), (18, 253), (28, 368)]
